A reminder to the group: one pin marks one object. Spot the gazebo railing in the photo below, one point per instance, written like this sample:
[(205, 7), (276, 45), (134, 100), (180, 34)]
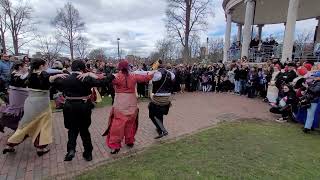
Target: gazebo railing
[(264, 53)]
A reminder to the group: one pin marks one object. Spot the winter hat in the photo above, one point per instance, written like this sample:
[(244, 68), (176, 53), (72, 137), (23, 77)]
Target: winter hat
[(302, 71), (308, 66)]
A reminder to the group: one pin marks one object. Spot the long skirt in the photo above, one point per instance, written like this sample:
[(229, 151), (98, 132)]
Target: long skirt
[(13, 112), (123, 121), (36, 121), (272, 94)]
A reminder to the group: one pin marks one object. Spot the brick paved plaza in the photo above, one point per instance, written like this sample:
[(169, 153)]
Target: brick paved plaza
[(190, 113)]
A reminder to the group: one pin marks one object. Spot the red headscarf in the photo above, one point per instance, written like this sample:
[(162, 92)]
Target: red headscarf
[(277, 66), (123, 65), (308, 66)]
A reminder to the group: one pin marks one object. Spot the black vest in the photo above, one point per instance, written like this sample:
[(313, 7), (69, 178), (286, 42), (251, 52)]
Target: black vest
[(164, 85)]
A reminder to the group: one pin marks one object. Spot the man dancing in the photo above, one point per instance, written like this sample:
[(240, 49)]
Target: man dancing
[(159, 106), (78, 107)]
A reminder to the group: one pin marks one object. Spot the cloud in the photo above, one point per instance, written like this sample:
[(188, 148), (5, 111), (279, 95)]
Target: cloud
[(139, 24)]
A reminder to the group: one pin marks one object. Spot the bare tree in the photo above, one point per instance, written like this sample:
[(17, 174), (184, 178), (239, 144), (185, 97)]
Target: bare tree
[(154, 56), (18, 21), (216, 49), (97, 54), (195, 46), (3, 29), (82, 47), (50, 48), (303, 39), (69, 25), (184, 17), (164, 49)]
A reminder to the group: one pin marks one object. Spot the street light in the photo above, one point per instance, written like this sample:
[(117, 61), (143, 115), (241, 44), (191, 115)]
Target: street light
[(118, 48)]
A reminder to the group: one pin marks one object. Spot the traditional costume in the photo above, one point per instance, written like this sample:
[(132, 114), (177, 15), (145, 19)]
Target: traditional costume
[(273, 91), (13, 112), (123, 120), (37, 119), (159, 106), (78, 108)]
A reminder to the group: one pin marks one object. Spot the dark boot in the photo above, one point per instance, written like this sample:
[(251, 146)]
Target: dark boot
[(87, 156), (115, 151), (70, 155), (159, 131), (305, 130), (163, 134), (8, 150), (43, 152), (130, 145), (162, 131)]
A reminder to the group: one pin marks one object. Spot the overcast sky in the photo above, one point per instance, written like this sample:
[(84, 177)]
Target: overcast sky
[(139, 23)]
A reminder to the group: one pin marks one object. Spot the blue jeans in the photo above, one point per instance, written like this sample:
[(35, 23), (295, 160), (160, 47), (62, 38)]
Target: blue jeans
[(310, 115), (237, 86), (243, 84)]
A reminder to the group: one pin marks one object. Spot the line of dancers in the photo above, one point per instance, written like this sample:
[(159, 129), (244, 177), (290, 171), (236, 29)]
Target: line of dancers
[(29, 112)]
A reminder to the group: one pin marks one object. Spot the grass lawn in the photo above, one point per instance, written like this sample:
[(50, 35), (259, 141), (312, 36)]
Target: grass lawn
[(238, 150)]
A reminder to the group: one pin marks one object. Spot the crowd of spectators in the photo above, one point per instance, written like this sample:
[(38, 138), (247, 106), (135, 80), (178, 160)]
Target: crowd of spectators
[(292, 89)]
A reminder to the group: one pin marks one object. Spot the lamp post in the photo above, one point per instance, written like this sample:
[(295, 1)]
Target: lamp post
[(118, 40)]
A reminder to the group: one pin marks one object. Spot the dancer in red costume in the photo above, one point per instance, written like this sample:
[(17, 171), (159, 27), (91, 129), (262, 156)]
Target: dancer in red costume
[(123, 120)]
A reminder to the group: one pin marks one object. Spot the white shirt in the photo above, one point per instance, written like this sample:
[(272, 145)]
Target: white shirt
[(157, 76)]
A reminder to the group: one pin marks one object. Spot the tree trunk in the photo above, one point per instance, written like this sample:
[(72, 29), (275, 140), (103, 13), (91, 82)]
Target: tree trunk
[(15, 44), (3, 43), (186, 56), (71, 50)]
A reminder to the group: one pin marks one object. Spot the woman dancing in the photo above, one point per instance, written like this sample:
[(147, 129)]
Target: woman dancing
[(37, 119), (18, 93), (123, 121)]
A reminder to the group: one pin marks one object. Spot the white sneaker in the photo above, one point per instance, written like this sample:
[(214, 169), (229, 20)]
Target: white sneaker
[(281, 120)]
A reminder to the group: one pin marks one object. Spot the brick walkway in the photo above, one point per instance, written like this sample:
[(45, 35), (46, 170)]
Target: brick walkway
[(190, 113)]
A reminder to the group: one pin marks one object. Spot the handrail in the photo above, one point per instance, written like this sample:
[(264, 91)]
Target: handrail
[(263, 53)]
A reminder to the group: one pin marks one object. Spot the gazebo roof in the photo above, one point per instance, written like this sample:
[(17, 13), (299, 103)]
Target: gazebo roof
[(272, 11)]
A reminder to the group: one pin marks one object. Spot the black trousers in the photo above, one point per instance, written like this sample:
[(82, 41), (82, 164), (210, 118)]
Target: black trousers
[(77, 119), (156, 114), (85, 137), (284, 112)]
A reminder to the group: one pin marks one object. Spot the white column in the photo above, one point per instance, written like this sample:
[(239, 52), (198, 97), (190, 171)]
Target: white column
[(290, 30), (317, 33), (227, 37), (260, 26), (247, 31), (239, 35)]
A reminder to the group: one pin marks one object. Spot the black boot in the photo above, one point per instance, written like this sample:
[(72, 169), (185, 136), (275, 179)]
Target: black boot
[(70, 155), (115, 151), (163, 134), (162, 130), (159, 131), (43, 152), (87, 156), (8, 150), (130, 145), (305, 130)]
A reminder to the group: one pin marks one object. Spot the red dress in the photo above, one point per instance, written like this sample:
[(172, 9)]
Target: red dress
[(123, 120)]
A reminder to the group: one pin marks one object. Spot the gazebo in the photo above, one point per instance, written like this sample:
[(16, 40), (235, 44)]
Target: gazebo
[(247, 13)]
